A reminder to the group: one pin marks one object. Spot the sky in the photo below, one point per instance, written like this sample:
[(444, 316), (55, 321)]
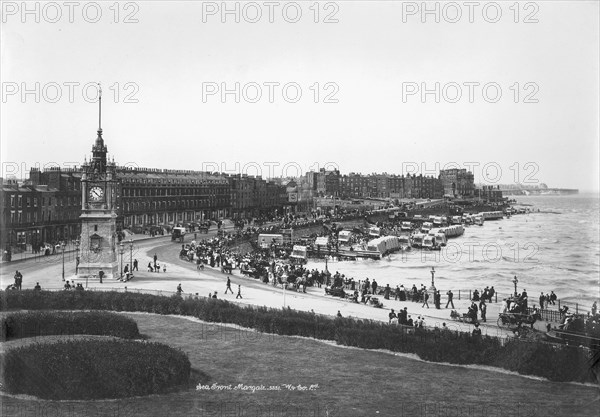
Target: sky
[(507, 90)]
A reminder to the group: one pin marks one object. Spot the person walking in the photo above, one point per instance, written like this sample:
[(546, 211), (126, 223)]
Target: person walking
[(18, 280), (450, 297), (135, 265), (437, 299), (179, 289), (228, 287), (425, 298), (239, 294), (483, 309)]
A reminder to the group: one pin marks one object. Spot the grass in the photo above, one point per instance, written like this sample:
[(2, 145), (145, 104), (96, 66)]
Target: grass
[(351, 382)]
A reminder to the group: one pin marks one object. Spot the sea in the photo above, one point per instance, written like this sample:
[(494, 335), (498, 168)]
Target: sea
[(555, 247)]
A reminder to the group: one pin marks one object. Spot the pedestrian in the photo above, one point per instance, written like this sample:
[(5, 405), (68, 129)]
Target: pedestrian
[(228, 287), (239, 294), (214, 295), (339, 315), (425, 298), (473, 311), (524, 300), (135, 265), (437, 299), (392, 316), (483, 309), (179, 289), (450, 297), (476, 331), (67, 286), (594, 308), (542, 299), (165, 268), (552, 297), (37, 286)]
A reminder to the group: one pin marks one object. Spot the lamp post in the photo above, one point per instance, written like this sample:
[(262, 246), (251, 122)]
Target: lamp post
[(121, 251), (283, 286), (131, 257), (77, 258), (62, 246), (432, 288), (515, 281)]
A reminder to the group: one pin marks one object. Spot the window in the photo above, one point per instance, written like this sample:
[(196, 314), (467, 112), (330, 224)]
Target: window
[(95, 228)]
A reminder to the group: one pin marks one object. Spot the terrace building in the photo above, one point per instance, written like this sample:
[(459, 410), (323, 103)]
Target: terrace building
[(457, 182)]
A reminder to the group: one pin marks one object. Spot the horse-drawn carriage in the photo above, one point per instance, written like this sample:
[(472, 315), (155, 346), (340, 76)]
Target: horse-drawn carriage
[(335, 291), (464, 318), (578, 330), (514, 320), (374, 301)]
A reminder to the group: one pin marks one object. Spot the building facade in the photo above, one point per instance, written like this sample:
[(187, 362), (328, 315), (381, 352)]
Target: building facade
[(458, 182), (149, 197)]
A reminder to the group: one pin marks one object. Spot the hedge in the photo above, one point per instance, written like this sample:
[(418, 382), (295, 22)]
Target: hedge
[(44, 323), (94, 369), (557, 363)]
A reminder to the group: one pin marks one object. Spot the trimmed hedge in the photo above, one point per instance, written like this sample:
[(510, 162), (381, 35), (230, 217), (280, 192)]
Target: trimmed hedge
[(44, 323), (94, 369), (557, 363)]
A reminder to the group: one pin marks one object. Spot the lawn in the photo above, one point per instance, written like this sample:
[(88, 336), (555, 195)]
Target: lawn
[(322, 380)]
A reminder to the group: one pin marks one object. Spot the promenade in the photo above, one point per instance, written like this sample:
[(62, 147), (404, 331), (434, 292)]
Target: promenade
[(201, 283), (210, 280)]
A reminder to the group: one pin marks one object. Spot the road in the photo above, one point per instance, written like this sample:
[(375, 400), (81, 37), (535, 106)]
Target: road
[(48, 272)]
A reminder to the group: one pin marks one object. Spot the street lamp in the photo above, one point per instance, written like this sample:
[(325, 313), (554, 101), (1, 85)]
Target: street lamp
[(77, 258), (62, 245), (515, 281), (432, 288), (131, 257), (121, 251)]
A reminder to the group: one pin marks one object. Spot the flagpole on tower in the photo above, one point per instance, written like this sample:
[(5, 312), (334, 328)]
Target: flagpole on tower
[(99, 107)]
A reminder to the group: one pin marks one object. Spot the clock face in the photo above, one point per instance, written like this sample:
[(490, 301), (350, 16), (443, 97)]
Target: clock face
[(96, 193)]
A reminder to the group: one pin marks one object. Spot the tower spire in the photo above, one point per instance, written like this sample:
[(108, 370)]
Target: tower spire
[(99, 107)]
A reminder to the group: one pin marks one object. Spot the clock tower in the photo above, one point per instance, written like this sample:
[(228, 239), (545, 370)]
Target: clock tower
[(98, 212)]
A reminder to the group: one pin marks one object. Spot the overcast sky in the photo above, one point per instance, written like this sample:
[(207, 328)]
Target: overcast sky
[(162, 75)]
